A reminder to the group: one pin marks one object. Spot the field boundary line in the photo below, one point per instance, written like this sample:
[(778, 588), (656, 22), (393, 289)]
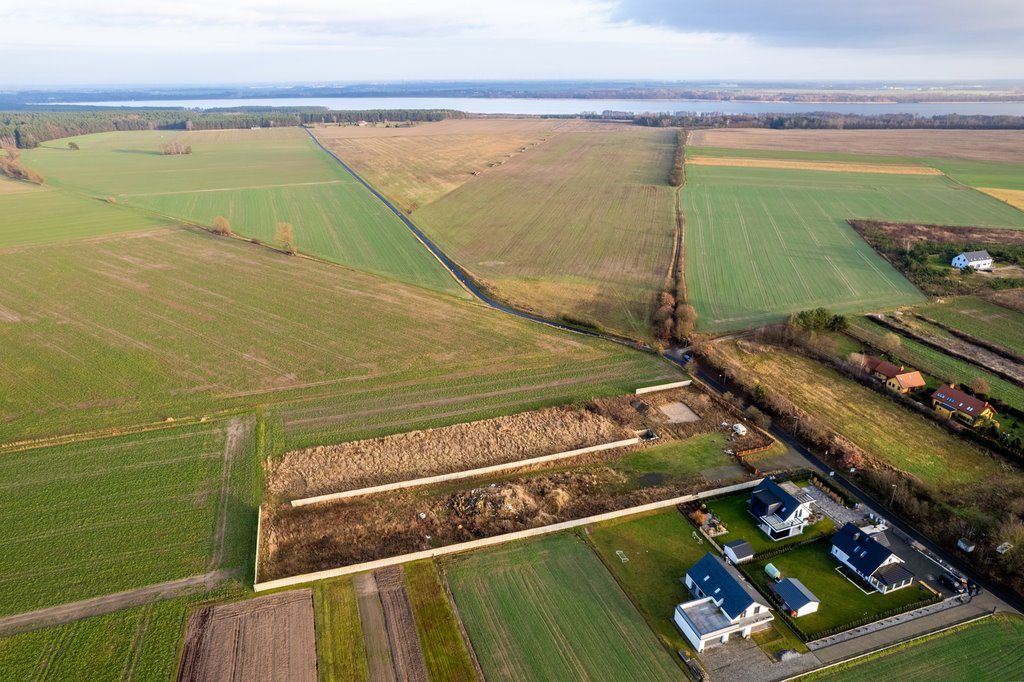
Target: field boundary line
[(663, 387), (822, 166), (905, 640), (458, 475), (233, 189), (497, 539)]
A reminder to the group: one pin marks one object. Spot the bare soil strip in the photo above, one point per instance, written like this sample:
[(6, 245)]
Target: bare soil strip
[(1014, 197), (406, 652), (945, 234), (108, 603), (265, 639), (375, 632), (837, 167)]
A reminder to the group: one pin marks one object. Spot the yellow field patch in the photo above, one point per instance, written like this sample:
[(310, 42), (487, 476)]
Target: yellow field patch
[(1014, 197), (9, 186), (837, 167)]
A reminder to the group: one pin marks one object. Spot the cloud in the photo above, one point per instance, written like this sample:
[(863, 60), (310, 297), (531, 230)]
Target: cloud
[(931, 25)]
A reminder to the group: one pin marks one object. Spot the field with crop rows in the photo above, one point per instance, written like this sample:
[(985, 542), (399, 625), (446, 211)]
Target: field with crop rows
[(255, 178), (339, 642), (581, 226), (980, 318), (988, 651), (107, 515), (764, 243), (884, 430), (177, 323), (444, 649), (549, 609)]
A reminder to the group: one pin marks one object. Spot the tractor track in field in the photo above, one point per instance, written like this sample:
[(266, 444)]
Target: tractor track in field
[(460, 275)]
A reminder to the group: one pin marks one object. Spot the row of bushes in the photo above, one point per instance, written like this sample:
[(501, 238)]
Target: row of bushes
[(677, 178)]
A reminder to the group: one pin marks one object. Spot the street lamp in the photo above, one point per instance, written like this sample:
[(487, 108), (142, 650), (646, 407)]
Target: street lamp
[(892, 497)]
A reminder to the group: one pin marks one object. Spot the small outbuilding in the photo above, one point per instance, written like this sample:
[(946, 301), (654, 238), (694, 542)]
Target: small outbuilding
[(797, 600), (979, 260), (738, 551)]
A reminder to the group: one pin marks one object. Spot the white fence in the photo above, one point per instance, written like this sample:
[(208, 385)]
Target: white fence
[(663, 387), (496, 540), (469, 473)]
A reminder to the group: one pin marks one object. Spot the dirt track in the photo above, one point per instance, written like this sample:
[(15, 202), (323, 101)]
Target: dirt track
[(268, 638), (406, 652), (375, 633), (235, 438)]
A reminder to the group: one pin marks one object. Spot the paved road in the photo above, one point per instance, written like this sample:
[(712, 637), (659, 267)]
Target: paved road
[(108, 603)]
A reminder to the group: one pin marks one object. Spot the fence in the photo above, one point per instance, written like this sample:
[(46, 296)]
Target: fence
[(495, 540), (663, 387), (469, 473)]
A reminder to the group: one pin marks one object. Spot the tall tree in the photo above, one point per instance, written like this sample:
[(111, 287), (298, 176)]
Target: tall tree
[(286, 235)]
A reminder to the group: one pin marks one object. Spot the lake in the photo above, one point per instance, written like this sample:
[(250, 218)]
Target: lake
[(578, 106)]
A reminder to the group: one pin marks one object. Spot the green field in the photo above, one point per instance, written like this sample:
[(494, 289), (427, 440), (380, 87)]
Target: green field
[(107, 515), (255, 178), (842, 602), (762, 243), (581, 226), (981, 319), (179, 323), (444, 650), (50, 216), (135, 644), (548, 609), (340, 653), (732, 511), (987, 651)]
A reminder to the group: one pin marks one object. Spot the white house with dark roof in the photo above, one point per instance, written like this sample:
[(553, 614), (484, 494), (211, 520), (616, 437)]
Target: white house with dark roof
[(979, 260), (723, 605), (869, 559), (738, 551), (795, 597), (779, 514)]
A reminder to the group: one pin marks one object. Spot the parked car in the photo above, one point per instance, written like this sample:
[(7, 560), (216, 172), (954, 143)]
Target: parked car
[(946, 580)]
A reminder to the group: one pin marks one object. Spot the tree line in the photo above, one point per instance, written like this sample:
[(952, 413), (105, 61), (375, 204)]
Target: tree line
[(827, 120)]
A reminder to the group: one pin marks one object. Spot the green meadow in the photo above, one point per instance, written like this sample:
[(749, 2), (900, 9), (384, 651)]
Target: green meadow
[(764, 243)]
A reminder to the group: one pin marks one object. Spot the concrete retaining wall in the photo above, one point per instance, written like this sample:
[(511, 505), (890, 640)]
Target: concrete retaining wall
[(663, 387), (469, 473), (496, 540)]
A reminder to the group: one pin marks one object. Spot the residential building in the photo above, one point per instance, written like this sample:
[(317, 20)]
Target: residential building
[(979, 260), (723, 605), (779, 514), (796, 599), (905, 382), (869, 559), (952, 403), (738, 551), (883, 370)]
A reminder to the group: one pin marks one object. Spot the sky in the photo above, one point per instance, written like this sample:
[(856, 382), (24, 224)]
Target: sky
[(118, 42)]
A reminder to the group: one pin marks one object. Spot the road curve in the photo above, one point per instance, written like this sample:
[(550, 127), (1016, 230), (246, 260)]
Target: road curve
[(459, 274)]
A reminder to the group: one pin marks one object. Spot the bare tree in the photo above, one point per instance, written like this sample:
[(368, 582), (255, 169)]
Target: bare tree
[(285, 235), (222, 226), (890, 343), (980, 386)]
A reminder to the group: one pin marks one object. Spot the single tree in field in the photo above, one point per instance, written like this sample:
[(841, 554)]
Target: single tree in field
[(222, 226), (73, 146), (890, 343), (980, 387), (286, 236)]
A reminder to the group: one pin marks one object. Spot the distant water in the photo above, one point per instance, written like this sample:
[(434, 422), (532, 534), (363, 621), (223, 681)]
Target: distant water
[(579, 106)]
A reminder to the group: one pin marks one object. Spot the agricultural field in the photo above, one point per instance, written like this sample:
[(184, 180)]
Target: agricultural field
[(579, 227), (44, 215), (339, 643), (882, 429), (255, 178), (141, 643), (986, 651), (444, 649), (416, 165), (178, 323), (980, 318), (763, 243), (549, 608), (102, 516)]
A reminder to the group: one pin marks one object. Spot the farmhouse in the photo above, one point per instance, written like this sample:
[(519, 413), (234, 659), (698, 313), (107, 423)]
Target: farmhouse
[(723, 604), (883, 370), (869, 559), (905, 382), (738, 551), (979, 260), (795, 597), (780, 515), (952, 403)]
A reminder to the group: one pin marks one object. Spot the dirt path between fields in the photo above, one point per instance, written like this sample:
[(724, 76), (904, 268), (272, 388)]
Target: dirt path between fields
[(375, 634), (237, 429), (406, 652), (108, 603)]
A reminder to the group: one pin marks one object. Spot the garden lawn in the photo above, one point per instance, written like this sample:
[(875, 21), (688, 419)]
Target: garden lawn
[(842, 602), (732, 511), (986, 651), (764, 243), (549, 609), (683, 459)]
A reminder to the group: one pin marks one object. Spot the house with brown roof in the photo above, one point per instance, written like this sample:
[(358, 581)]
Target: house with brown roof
[(883, 370), (905, 382), (952, 403)]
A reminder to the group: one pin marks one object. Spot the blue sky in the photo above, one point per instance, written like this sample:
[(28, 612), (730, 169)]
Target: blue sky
[(67, 42)]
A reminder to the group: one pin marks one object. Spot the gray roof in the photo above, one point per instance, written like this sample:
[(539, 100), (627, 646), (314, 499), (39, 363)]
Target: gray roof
[(794, 593), (976, 255), (722, 583), (775, 499), (741, 548), (893, 574), (866, 555)]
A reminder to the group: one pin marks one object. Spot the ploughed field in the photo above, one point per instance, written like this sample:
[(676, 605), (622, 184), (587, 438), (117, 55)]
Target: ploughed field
[(255, 178), (762, 243)]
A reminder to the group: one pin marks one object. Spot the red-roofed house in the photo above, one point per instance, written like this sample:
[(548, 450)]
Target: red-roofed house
[(882, 369), (905, 382), (952, 403)]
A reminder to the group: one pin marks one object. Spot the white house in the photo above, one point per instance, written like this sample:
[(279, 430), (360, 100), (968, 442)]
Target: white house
[(795, 597), (875, 563), (979, 260), (738, 551), (723, 605), (779, 514)]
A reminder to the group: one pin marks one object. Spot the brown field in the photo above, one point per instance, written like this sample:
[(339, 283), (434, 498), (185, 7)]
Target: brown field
[(269, 638), (945, 234), (334, 468), (416, 165), (1013, 298), (837, 167), (9, 186), (1014, 197), (406, 652), (975, 145)]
